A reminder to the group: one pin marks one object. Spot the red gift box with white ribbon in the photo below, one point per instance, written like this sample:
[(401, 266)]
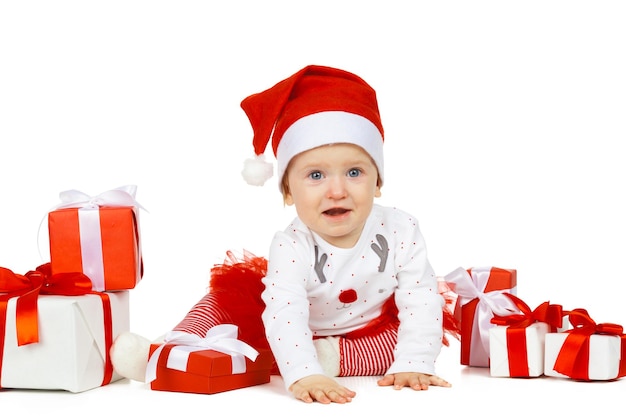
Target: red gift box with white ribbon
[(216, 363), (480, 295), (98, 236)]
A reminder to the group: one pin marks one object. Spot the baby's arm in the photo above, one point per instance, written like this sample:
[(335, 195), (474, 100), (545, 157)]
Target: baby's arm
[(322, 389), (414, 380), (420, 312)]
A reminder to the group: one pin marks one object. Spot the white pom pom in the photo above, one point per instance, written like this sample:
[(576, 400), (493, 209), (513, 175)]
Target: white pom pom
[(129, 355), (257, 170)]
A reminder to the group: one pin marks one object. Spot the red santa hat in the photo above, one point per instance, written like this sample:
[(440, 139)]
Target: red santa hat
[(315, 106)]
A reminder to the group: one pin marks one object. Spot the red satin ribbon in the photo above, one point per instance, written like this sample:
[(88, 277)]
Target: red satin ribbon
[(28, 287), (552, 314)]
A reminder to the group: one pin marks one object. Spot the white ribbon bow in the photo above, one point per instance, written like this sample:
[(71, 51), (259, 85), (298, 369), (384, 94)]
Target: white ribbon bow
[(469, 287), (221, 338), (118, 197)]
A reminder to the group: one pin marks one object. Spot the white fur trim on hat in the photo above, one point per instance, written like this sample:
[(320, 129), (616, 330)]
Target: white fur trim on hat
[(325, 128)]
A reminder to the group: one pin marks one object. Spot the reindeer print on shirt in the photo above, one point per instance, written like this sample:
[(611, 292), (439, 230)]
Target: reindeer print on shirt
[(350, 295)]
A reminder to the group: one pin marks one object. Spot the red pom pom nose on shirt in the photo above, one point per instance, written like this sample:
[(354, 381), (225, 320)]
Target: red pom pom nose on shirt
[(348, 296)]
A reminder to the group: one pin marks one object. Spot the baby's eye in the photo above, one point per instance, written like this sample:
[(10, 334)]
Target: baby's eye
[(315, 175), (354, 172)]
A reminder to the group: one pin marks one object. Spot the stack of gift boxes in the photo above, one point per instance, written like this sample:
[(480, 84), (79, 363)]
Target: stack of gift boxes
[(501, 332), (58, 322)]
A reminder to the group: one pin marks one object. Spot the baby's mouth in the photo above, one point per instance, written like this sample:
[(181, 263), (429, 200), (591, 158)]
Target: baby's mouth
[(337, 211)]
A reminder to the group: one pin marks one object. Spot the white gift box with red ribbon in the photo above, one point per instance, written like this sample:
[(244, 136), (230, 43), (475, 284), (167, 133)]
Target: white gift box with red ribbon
[(72, 352), (534, 357), (603, 359)]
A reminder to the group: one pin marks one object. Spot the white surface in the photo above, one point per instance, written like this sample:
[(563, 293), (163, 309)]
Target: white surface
[(504, 128), (473, 390)]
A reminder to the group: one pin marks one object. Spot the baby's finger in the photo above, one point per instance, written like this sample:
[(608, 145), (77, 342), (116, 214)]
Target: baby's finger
[(320, 396), (385, 380), (439, 382), (419, 382), (338, 396)]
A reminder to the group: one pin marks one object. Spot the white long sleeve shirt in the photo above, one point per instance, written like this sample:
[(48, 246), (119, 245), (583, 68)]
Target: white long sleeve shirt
[(315, 289)]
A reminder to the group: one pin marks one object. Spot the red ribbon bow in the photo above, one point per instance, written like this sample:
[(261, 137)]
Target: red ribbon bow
[(573, 358), (28, 287), (552, 314)]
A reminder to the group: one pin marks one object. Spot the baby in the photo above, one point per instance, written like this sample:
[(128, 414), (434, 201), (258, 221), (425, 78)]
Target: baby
[(348, 289)]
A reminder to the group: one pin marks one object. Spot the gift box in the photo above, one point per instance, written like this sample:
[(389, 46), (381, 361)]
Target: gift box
[(510, 359), (98, 236), (75, 334), (480, 296), (588, 351), (517, 342), (179, 367)]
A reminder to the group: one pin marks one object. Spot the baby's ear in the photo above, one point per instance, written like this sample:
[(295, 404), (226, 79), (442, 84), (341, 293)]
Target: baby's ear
[(287, 198)]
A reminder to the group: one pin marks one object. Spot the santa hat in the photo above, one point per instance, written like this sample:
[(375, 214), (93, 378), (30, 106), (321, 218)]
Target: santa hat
[(315, 106)]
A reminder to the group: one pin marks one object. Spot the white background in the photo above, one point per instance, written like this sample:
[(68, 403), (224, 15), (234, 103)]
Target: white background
[(505, 123)]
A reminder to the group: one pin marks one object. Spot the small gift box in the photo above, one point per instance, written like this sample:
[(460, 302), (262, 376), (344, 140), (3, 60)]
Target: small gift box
[(217, 363), (58, 342), (480, 296), (98, 236), (511, 359), (588, 351), (517, 342)]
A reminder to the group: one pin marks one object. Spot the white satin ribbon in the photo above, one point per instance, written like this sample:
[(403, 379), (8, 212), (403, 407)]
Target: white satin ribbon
[(221, 338), (91, 246), (469, 287), (118, 197)]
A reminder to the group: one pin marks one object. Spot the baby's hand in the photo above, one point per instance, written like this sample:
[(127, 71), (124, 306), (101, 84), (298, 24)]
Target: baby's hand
[(414, 380), (322, 389)]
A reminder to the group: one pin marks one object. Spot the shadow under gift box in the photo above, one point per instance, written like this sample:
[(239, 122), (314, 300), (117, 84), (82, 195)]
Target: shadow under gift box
[(209, 372), (72, 352), (101, 242)]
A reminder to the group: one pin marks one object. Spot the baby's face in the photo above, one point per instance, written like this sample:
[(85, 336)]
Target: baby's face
[(333, 189)]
